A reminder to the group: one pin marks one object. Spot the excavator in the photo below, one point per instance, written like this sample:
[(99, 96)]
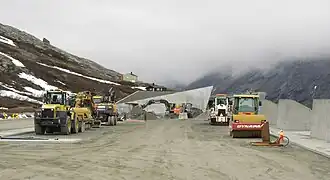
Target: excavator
[(246, 119), (169, 112)]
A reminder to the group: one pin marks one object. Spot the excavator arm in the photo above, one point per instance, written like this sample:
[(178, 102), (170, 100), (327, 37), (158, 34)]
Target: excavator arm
[(153, 101)]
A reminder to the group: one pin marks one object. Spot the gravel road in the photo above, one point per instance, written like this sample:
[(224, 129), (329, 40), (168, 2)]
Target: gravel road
[(16, 124), (168, 149)]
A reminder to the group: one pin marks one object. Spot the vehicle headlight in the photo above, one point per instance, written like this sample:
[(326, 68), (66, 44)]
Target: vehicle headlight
[(37, 114), (100, 107)]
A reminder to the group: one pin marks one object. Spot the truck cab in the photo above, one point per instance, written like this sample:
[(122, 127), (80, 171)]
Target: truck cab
[(220, 112)]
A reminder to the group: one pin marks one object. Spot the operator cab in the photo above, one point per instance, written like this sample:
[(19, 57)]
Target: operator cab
[(97, 99), (56, 97), (247, 104)]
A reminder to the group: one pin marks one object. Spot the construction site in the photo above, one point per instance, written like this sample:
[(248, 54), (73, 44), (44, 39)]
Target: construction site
[(167, 135)]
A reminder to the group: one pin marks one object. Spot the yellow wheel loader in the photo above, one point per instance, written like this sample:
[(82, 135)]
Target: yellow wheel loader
[(54, 115), (246, 120)]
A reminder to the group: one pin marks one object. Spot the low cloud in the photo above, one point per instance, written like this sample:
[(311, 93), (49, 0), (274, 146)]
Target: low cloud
[(177, 40)]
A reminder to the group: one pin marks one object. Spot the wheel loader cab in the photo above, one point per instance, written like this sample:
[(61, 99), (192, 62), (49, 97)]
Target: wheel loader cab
[(57, 97), (97, 99)]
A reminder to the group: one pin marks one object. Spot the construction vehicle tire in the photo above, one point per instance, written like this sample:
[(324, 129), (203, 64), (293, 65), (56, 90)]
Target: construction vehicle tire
[(39, 130), (82, 126), (235, 134), (49, 130), (75, 125), (108, 121), (115, 120), (111, 120), (67, 128), (212, 121), (99, 124)]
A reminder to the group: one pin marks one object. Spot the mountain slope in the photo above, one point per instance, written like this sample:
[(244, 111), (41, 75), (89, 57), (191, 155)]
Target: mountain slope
[(287, 80), (28, 66)]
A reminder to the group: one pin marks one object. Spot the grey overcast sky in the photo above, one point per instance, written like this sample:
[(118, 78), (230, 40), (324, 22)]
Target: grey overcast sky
[(180, 40)]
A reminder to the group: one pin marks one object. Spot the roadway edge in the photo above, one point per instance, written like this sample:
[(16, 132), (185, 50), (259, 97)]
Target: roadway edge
[(15, 132), (303, 146)]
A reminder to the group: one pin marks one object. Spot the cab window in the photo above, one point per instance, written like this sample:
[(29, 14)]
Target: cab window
[(222, 101), (97, 100), (246, 105)]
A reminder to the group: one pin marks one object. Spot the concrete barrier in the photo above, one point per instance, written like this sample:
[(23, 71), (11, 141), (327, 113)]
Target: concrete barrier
[(321, 119), (269, 109), (293, 116)]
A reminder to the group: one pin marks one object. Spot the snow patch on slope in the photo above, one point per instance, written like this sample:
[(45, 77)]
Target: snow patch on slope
[(77, 74), (36, 81), (14, 90), (61, 82), (15, 61), (35, 92), (14, 95), (140, 87), (7, 41)]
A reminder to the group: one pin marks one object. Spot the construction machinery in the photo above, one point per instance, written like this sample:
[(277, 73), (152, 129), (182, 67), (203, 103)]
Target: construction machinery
[(246, 120), (83, 112), (170, 107), (106, 108), (54, 115), (220, 112), (187, 108)]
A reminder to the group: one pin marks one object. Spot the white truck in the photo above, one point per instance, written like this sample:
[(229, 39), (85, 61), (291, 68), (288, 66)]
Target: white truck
[(220, 112)]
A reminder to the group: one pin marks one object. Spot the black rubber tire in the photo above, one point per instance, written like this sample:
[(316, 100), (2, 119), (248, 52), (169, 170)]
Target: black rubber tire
[(67, 128), (235, 134), (49, 130), (75, 125), (111, 120), (212, 121), (39, 130), (286, 141), (82, 126)]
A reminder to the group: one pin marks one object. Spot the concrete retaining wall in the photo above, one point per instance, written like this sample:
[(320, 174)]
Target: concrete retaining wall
[(269, 109), (293, 116), (321, 119)]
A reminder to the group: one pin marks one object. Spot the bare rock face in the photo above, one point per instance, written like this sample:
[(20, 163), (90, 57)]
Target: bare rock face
[(53, 66)]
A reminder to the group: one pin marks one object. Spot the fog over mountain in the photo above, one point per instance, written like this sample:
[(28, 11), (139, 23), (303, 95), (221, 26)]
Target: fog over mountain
[(181, 40)]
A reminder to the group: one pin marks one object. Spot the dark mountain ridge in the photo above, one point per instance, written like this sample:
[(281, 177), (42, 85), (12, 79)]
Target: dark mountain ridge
[(299, 80)]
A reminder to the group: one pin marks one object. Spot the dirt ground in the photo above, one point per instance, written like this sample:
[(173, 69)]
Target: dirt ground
[(16, 124), (168, 149)]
